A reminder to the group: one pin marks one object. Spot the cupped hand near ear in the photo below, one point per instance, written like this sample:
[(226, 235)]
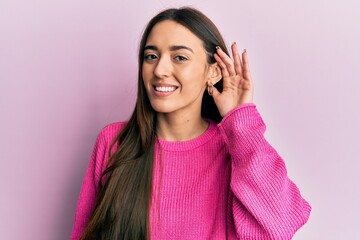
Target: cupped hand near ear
[(237, 83)]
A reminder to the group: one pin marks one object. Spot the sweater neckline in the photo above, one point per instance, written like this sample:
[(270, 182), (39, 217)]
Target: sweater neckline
[(189, 144)]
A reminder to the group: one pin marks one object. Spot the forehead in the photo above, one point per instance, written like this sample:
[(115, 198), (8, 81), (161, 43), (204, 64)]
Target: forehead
[(170, 33)]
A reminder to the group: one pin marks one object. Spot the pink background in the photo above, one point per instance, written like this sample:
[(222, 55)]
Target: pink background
[(67, 68)]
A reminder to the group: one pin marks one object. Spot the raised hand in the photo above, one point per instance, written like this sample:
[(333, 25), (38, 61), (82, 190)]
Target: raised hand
[(237, 83)]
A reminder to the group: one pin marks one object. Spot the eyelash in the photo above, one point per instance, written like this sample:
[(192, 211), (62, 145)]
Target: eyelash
[(178, 58), (149, 57)]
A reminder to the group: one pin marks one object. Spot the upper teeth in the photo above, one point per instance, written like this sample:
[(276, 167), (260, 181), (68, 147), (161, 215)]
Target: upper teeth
[(165, 89)]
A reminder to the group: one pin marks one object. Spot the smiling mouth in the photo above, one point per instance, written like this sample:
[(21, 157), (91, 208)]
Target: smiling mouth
[(164, 89)]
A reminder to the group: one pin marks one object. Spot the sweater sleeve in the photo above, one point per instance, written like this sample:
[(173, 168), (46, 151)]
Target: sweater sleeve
[(87, 198), (266, 204)]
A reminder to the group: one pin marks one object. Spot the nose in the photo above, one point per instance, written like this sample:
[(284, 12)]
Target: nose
[(163, 67)]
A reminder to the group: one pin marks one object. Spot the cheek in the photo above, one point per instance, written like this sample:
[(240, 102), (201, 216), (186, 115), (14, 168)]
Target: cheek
[(196, 77), (145, 72)]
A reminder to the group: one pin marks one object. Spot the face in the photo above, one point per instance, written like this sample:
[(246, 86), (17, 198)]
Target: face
[(175, 69)]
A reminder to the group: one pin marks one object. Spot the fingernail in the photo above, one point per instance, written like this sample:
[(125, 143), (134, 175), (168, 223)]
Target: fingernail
[(217, 47), (244, 50), (234, 43)]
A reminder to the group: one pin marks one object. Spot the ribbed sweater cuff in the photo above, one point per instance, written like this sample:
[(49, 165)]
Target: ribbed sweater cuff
[(243, 116)]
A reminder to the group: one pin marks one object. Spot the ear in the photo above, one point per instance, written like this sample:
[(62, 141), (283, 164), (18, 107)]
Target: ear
[(214, 73)]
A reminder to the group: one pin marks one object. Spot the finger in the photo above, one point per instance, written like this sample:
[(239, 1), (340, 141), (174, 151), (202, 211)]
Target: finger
[(222, 65), (227, 60), (245, 67), (237, 60), (215, 93)]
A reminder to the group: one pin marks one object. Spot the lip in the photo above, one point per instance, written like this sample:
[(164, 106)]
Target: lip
[(163, 94)]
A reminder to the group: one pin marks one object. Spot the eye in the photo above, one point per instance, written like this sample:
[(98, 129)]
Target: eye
[(180, 58), (149, 57)]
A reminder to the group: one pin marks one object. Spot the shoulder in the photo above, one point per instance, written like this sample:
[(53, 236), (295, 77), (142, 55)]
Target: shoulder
[(102, 149), (107, 136), (110, 131)]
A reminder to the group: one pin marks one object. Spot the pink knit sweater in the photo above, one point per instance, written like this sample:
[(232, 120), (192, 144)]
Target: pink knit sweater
[(228, 183)]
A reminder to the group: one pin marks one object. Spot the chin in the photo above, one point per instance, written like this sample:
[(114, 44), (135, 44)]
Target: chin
[(163, 108)]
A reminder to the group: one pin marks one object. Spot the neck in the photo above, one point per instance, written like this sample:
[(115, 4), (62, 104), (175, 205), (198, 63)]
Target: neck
[(173, 127)]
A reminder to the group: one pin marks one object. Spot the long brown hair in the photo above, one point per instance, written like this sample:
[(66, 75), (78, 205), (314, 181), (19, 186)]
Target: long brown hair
[(123, 202)]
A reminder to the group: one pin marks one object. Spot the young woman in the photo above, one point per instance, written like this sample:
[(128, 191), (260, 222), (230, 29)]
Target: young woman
[(192, 161)]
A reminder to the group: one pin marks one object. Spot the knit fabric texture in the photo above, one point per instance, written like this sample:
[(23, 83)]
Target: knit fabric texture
[(228, 183)]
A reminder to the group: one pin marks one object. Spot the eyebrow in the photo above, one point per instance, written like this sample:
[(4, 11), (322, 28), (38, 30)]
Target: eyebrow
[(172, 48)]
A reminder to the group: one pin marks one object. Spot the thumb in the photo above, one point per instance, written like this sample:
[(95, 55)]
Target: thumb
[(217, 99), (215, 92)]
